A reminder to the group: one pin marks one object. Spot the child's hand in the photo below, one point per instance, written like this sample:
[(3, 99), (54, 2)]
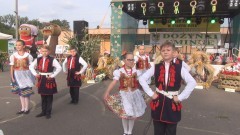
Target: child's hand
[(155, 96), (13, 80), (37, 76), (105, 96), (176, 100), (77, 73)]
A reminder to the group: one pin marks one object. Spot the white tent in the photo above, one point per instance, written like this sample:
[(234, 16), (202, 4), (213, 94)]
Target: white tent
[(5, 36)]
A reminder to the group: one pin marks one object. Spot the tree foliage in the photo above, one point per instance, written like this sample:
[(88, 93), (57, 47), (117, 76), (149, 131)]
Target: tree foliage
[(64, 24), (7, 23), (88, 47)]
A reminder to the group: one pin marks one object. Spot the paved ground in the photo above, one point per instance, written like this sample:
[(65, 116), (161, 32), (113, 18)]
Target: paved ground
[(207, 112)]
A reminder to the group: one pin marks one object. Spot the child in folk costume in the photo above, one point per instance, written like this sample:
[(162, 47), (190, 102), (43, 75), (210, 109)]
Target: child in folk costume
[(142, 61), (130, 102), (166, 104), (76, 66), (22, 78), (48, 67)]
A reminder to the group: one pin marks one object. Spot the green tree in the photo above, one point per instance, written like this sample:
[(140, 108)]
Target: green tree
[(36, 22), (23, 20), (8, 20), (64, 24), (7, 29)]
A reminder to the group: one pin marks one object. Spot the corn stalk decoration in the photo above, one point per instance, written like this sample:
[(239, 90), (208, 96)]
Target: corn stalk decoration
[(88, 47)]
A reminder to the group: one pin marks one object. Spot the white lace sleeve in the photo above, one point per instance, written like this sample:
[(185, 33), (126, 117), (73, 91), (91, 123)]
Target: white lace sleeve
[(11, 59), (116, 75)]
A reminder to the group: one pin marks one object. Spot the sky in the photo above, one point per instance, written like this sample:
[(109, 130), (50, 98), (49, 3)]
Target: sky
[(92, 11)]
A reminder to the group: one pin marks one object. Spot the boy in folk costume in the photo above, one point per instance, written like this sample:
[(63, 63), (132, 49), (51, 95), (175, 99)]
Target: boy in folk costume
[(22, 78), (166, 104), (48, 68), (142, 61), (74, 72), (131, 104)]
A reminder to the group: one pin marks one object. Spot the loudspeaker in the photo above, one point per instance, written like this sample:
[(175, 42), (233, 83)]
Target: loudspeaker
[(80, 28)]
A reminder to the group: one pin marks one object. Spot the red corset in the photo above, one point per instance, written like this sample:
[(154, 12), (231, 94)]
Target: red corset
[(21, 64), (143, 64), (128, 82)]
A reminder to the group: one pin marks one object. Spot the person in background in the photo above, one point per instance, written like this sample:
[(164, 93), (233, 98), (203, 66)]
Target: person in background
[(142, 61), (76, 67)]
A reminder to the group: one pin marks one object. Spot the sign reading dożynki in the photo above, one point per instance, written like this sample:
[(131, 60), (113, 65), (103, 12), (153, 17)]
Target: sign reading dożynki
[(182, 26), (180, 39)]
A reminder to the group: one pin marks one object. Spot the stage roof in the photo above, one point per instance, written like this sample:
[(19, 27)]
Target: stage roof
[(185, 10)]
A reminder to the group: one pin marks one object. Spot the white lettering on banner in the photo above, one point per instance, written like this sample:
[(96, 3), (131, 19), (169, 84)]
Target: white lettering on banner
[(180, 39), (221, 51)]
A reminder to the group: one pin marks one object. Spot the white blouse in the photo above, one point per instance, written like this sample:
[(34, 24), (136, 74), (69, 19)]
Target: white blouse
[(81, 61), (16, 55), (190, 82)]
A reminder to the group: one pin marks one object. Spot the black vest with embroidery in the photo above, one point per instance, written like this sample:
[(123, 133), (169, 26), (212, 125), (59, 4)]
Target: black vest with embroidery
[(163, 108), (73, 80), (174, 76), (46, 86)]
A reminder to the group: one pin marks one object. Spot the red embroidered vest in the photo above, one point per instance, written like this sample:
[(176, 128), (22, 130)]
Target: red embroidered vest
[(21, 64), (142, 64), (128, 82)]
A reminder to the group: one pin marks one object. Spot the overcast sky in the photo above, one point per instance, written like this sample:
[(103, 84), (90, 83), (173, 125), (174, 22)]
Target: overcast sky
[(92, 11)]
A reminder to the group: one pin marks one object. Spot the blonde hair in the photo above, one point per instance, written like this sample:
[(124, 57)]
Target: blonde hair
[(168, 44)]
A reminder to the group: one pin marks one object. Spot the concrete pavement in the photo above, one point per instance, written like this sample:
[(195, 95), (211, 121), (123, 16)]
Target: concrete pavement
[(206, 112)]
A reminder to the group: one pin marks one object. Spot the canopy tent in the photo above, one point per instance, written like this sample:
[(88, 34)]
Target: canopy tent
[(5, 36)]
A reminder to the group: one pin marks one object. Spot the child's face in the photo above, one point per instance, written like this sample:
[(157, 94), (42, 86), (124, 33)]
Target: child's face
[(141, 50), (73, 52), (19, 46), (167, 53), (129, 61), (44, 52)]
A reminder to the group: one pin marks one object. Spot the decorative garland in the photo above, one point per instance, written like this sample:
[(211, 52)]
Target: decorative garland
[(161, 6), (193, 4), (143, 5)]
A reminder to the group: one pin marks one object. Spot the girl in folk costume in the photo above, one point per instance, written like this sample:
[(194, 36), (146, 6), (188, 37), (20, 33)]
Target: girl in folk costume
[(48, 68), (74, 72), (22, 78), (166, 104), (142, 61), (129, 103)]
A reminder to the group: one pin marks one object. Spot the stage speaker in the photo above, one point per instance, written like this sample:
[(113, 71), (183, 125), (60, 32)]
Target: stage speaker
[(80, 28)]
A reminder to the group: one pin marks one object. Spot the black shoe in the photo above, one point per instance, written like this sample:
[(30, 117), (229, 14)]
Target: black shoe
[(75, 103), (71, 102), (48, 116), (20, 112), (40, 115), (26, 112)]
